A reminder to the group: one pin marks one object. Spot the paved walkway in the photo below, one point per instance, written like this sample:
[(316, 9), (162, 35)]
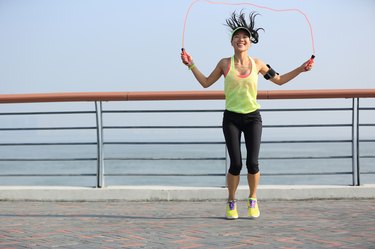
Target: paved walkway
[(283, 224)]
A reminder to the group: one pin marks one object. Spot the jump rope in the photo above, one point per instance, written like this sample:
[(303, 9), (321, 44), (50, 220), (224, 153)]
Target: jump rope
[(185, 55)]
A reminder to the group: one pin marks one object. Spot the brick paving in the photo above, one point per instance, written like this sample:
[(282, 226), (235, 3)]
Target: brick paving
[(283, 224)]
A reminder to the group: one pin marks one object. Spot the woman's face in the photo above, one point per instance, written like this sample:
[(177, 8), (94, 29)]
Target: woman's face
[(241, 41)]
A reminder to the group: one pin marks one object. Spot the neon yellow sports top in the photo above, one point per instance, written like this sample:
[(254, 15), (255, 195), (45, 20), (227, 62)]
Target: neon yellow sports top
[(241, 91)]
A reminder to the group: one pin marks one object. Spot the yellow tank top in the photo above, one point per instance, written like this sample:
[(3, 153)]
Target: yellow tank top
[(241, 92)]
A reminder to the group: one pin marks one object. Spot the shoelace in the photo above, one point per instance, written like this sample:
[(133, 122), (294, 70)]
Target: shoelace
[(231, 205), (252, 203)]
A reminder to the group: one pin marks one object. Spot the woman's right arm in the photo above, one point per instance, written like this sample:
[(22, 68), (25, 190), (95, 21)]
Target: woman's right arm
[(202, 79)]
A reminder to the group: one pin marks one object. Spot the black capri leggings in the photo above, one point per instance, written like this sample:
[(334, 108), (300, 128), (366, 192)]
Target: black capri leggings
[(251, 125)]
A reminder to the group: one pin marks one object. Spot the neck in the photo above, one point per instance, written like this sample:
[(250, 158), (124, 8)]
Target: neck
[(241, 57)]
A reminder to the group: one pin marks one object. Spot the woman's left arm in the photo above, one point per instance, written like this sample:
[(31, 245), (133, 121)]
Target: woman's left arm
[(282, 79)]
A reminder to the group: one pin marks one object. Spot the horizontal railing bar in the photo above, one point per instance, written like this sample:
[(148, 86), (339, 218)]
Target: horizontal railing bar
[(169, 111), (215, 142), (45, 159), (368, 172), (174, 159), (171, 127), (43, 144), (171, 174), (366, 156), (222, 174), (219, 158), (307, 174), (45, 113), (175, 111), (307, 125), (161, 174), (221, 110), (182, 95), (182, 143), (304, 157), (162, 127), (163, 159), (306, 141), (47, 128), (305, 109), (43, 175), (366, 124), (219, 127), (367, 140), (159, 143), (160, 111), (366, 108)]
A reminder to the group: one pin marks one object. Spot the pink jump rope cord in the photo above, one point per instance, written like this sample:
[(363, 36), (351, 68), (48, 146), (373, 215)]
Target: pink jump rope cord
[(184, 54)]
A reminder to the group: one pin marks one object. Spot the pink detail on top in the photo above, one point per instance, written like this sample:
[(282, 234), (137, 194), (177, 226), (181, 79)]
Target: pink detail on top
[(239, 75), (226, 73), (244, 76)]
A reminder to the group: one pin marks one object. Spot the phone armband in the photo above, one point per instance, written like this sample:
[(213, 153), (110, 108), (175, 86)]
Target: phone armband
[(270, 73)]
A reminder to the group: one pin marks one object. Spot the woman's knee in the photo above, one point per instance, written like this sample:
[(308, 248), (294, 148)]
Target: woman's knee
[(252, 168), (235, 169)]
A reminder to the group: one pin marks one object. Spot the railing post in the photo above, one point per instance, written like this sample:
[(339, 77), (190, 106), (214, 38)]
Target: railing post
[(99, 139), (353, 141), (357, 142)]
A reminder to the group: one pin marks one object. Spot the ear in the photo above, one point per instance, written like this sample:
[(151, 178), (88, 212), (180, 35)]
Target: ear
[(231, 43)]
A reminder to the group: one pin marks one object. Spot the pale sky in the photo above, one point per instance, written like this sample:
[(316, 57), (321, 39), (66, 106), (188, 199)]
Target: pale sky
[(119, 45)]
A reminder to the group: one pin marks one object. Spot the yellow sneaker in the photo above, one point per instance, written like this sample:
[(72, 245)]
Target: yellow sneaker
[(252, 208), (231, 211)]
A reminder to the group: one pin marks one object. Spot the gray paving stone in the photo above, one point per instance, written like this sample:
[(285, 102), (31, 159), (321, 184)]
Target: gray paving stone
[(283, 224)]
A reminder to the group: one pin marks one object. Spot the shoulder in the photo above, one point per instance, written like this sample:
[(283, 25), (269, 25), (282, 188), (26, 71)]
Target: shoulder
[(258, 62), (262, 67), (224, 63)]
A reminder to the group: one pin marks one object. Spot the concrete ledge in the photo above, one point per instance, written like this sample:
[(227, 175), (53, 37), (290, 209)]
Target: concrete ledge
[(163, 193)]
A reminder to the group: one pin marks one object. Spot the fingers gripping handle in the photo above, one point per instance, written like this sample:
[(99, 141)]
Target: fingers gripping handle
[(310, 62), (185, 56)]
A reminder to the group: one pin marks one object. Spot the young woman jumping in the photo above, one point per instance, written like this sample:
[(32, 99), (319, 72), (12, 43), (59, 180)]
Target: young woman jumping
[(242, 113)]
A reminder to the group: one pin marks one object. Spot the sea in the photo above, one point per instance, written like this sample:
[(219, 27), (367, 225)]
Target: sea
[(202, 165)]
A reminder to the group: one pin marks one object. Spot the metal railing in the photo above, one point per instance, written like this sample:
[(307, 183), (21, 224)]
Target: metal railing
[(99, 140)]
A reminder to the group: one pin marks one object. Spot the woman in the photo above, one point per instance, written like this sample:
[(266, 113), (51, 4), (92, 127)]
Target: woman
[(241, 113)]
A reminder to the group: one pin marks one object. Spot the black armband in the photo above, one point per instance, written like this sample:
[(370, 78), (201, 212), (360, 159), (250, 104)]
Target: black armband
[(270, 73)]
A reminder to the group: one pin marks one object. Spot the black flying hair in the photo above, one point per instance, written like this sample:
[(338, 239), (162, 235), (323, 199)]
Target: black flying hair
[(239, 21)]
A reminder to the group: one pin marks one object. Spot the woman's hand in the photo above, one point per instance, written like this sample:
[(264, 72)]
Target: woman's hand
[(308, 65), (186, 58)]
